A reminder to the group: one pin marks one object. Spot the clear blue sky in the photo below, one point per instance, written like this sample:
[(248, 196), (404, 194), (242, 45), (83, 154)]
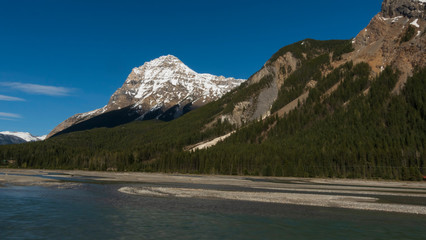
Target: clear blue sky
[(62, 57)]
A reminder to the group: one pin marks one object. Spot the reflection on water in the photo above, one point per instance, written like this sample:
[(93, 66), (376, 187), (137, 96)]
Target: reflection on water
[(95, 211)]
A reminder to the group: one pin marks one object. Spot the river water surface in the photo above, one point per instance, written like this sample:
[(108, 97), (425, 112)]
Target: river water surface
[(100, 211)]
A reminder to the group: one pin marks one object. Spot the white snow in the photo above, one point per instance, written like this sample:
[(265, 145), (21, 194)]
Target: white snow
[(42, 138), (394, 19), (103, 109), (414, 23), (82, 115), (168, 72), (422, 1), (136, 70), (23, 135)]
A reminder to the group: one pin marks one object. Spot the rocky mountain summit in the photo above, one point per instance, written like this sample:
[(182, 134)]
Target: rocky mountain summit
[(405, 8), (166, 82), (164, 88), (395, 37)]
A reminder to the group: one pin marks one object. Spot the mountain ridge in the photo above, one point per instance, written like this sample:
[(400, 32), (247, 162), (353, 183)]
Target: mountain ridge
[(380, 44)]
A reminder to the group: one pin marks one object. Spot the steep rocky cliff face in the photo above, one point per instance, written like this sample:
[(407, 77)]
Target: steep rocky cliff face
[(164, 88), (258, 106), (406, 8), (395, 37)]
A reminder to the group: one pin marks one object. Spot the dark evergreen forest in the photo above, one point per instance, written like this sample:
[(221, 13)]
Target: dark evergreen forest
[(361, 130)]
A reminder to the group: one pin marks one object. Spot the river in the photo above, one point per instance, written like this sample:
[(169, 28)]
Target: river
[(87, 210)]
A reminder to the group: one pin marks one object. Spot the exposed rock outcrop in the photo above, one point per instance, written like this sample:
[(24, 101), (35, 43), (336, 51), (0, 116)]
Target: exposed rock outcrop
[(258, 106), (405, 8), (394, 37)]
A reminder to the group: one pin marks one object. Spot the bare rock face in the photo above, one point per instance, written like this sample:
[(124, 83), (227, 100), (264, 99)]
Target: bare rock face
[(387, 40), (163, 88), (405, 8), (259, 106)]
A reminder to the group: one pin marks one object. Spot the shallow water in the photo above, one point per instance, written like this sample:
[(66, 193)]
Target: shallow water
[(99, 211)]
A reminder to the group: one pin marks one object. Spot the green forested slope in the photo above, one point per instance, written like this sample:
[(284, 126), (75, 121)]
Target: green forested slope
[(378, 135), (125, 147), (361, 130)]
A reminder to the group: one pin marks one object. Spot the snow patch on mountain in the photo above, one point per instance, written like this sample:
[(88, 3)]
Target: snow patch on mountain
[(28, 137), (414, 23), (42, 138)]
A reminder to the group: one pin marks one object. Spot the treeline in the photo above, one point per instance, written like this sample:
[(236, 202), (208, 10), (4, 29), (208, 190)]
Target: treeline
[(310, 48)]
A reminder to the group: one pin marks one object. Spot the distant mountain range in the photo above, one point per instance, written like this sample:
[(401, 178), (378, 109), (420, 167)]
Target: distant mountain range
[(339, 108), (8, 137)]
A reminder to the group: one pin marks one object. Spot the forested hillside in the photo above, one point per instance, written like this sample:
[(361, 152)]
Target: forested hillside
[(360, 130), (351, 124)]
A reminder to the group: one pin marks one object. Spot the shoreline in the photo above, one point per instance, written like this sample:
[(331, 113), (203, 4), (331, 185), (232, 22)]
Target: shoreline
[(386, 196), (137, 176)]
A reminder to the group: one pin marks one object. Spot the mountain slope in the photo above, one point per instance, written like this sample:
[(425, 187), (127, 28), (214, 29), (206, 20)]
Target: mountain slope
[(164, 88), (395, 37), (8, 139), (328, 109)]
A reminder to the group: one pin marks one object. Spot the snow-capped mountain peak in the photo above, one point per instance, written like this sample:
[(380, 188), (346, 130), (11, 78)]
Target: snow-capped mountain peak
[(166, 79), (162, 85)]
